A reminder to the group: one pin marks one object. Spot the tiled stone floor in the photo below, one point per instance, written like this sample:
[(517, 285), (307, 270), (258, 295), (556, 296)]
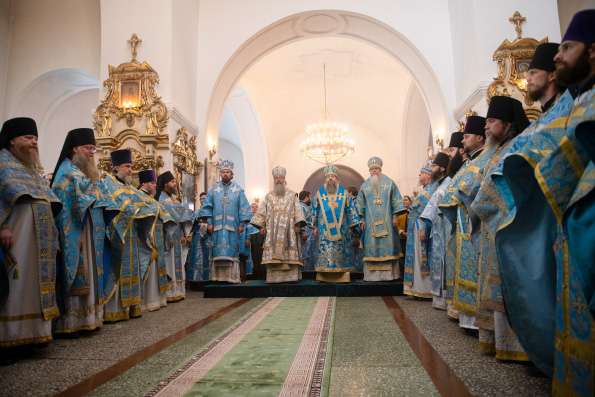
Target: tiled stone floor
[(483, 375), (369, 357)]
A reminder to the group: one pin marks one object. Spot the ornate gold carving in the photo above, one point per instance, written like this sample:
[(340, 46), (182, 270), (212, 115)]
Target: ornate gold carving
[(186, 163), (513, 59), (132, 114), (184, 152)]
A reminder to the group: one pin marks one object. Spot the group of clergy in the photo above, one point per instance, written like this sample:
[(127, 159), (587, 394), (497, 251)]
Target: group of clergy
[(322, 235), (83, 248), (502, 236)]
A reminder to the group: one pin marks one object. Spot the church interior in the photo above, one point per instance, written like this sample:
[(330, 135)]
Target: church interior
[(297, 198)]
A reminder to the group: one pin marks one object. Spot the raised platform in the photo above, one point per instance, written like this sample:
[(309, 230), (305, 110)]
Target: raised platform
[(260, 289)]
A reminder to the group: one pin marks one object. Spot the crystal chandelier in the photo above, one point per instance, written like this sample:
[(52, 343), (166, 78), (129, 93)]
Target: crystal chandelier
[(327, 141)]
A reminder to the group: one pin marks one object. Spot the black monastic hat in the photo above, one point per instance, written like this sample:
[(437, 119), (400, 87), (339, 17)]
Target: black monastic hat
[(145, 176), (510, 110), (16, 127), (166, 177), (475, 125), (456, 140), (122, 156), (543, 58), (581, 27), (162, 179), (74, 138), (441, 160)]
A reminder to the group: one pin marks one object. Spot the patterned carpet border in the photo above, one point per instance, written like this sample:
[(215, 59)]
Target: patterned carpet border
[(263, 309), (316, 385), (301, 375)]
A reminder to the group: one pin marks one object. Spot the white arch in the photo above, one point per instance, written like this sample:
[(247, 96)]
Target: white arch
[(329, 23), (251, 140), (43, 100)]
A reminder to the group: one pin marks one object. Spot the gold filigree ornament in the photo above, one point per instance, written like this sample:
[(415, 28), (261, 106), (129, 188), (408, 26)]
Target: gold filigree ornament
[(513, 59), (132, 115)]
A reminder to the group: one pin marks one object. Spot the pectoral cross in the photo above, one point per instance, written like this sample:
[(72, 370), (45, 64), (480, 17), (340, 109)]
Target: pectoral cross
[(134, 42), (378, 201), (332, 203)]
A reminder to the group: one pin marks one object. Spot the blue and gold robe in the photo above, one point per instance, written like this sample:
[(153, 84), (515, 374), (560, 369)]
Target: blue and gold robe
[(439, 232), (377, 208), (226, 207), (524, 228), (83, 204), (20, 187), (125, 243), (246, 249), (175, 251), (199, 256), (566, 179), (333, 215), (308, 247), (416, 253), (456, 206)]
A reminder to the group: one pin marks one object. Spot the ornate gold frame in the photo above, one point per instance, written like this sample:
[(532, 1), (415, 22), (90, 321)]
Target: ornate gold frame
[(142, 127), (185, 159), (512, 57)]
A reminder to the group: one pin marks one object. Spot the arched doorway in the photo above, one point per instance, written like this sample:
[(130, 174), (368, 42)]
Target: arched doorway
[(335, 23), (347, 176)]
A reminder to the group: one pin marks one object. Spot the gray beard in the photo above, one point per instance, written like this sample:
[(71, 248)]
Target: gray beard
[(279, 190), (331, 188), (29, 158), (127, 179), (375, 182), (86, 165)]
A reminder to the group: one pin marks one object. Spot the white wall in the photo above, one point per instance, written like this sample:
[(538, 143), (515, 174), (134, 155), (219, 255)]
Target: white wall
[(74, 112), (478, 27), (185, 56), (229, 151), (241, 125), (415, 135), (567, 9), (48, 35), (5, 32)]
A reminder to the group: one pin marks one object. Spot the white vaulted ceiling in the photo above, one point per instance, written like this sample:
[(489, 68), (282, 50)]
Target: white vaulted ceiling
[(366, 88)]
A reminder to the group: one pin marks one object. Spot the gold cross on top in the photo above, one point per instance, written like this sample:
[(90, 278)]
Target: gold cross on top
[(517, 20), (134, 43)]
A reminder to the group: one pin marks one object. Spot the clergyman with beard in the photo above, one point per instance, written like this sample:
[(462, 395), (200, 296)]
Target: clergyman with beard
[(435, 232), (227, 211), (461, 262), (81, 226), (124, 238), (576, 287), (28, 240), (416, 278), (334, 218), (177, 239), (551, 177), (197, 263), (280, 216), (155, 283), (378, 204), (505, 120)]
